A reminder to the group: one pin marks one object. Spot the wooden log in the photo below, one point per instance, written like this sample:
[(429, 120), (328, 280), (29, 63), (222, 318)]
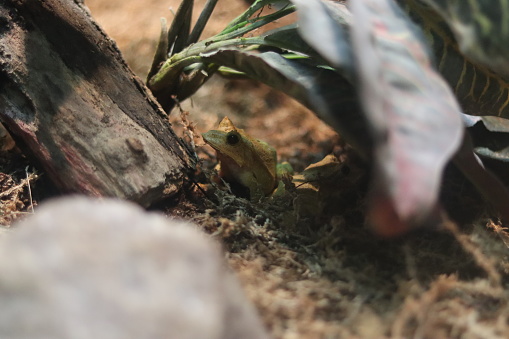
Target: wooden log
[(68, 96)]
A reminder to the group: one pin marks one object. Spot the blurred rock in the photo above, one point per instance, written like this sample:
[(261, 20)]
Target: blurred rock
[(83, 268)]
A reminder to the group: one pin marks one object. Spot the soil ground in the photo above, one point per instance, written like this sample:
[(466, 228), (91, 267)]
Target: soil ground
[(319, 275)]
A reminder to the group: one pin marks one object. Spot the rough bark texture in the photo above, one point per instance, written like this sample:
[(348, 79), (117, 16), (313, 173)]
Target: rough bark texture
[(67, 94)]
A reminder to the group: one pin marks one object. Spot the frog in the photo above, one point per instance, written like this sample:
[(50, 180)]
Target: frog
[(247, 161), (315, 185)]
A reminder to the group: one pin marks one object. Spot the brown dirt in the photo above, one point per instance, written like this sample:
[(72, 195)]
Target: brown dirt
[(323, 276)]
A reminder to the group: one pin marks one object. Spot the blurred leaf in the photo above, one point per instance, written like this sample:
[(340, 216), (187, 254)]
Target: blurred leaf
[(481, 28), (322, 90), (323, 26), (479, 90), (413, 114)]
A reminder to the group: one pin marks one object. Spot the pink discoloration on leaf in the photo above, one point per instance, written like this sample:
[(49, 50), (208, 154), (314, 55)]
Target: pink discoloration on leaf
[(413, 115)]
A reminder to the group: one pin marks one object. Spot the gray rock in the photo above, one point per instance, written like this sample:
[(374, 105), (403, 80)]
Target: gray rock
[(83, 268)]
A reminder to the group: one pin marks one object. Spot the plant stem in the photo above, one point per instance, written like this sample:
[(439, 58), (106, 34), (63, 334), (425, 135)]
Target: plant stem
[(169, 71), (199, 48), (174, 65), (231, 36)]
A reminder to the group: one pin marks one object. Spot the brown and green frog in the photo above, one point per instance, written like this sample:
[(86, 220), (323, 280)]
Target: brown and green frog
[(247, 161), (252, 163)]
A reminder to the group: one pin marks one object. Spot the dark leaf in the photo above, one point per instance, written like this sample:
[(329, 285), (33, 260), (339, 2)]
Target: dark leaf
[(481, 29), (178, 33), (202, 21), (288, 38), (478, 90), (488, 184), (490, 136), (161, 53)]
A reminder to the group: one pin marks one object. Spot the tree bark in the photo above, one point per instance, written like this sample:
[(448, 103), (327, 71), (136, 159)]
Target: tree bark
[(69, 97)]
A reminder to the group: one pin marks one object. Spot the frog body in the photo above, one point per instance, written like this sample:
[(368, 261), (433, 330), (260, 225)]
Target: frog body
[(248, 161), (252, 163)]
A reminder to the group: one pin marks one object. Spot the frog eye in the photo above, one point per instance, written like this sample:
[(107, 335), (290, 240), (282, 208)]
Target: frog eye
[(232, 139)]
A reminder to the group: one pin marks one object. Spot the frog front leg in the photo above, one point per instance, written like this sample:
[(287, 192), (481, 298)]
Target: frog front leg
[(251, 182), (284, 173)]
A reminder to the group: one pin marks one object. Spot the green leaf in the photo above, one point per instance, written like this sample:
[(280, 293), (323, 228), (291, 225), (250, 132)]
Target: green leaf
[(202, 21), (183, 67), (178, 33)]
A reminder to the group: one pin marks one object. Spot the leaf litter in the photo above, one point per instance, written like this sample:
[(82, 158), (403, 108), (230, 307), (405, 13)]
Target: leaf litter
[(16, 199)]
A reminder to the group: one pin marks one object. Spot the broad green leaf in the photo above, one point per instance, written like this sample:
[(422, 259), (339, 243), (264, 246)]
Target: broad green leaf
[(412, 112), (324, 91)]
